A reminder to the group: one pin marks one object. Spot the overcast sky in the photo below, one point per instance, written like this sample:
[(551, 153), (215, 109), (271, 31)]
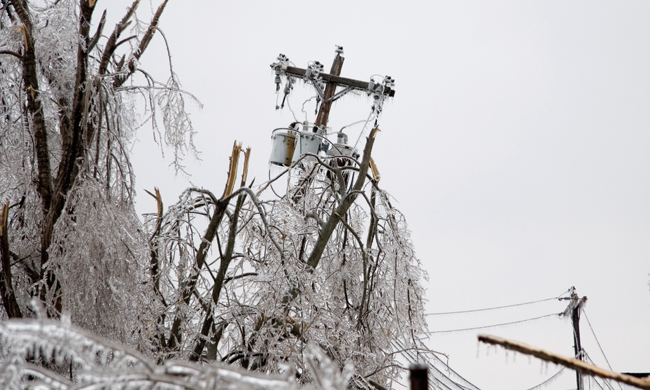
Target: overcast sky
[(517, 146)]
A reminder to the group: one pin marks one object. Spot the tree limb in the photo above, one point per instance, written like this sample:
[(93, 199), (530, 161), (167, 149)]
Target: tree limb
[(6, 286), (34, 106), (12, 53), (117, 31), (342, 209), (574, 364), (146, 39)]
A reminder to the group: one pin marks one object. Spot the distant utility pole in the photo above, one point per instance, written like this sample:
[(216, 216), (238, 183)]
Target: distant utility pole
[(573, 309)]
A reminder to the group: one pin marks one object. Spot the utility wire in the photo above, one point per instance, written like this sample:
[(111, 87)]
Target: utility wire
[(605, 381), (547, 381), (597, 342), (440, 380), (596, 382), (495, 325), (490, 308)]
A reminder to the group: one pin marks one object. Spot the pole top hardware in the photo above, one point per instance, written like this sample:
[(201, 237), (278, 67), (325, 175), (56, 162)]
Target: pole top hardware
[(282, 67)]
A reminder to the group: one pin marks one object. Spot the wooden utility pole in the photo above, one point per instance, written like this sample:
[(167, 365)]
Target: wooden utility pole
[(419, 377), (574, 310), (324, 112)]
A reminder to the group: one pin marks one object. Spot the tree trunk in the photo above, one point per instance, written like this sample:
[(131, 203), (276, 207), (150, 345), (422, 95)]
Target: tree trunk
[(6, 286)]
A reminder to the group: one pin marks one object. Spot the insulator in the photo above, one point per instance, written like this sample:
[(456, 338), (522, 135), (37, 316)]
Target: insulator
[(277, 83), (342, 138)]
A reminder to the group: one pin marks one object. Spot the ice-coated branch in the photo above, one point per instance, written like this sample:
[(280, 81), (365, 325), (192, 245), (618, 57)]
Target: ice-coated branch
[(6, 284), (262, 212), (574, 364), (11, 53), (346, 202), (34, 104), (144, 43), (111, 45), (98, 363)]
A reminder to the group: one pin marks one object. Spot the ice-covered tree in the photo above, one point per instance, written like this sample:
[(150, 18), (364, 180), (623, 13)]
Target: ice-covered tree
[(245, 278), (330, 263), (67, 115)]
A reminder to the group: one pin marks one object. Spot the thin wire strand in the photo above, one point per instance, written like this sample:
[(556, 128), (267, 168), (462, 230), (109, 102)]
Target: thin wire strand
[(567, 291), (597, 342), (290, 109), (490, 308), (495, 325), (597, 384), (302, 109), (606, 382), (364, 129), (547, 381)]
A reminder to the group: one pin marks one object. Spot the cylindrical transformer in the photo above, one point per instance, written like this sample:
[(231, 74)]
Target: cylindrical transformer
[(306, 142), (284, 141)]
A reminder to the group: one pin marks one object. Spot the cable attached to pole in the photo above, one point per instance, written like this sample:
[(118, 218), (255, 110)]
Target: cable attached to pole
[(490, 308), (495, 325)]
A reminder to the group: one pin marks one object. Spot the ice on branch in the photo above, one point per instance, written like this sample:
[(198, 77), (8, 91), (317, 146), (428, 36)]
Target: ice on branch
[(47, 354)]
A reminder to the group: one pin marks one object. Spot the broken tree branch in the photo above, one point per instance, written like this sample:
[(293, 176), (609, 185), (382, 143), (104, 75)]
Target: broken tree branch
[(342, 209), (574, 364)]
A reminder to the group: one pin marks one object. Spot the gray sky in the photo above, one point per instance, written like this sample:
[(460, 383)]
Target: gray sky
[(517, 146)]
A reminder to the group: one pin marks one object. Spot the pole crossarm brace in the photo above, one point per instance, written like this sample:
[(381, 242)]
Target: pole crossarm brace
[(342, 81), (574, 364), (326, 84), (575, 304)]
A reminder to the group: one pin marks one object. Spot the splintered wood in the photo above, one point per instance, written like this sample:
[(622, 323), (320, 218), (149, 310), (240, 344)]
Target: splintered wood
[(574, 364)]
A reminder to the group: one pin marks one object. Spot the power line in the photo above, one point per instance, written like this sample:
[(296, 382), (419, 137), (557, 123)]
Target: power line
[(597, 342), (606, 382), (547, 381), (495, 325), (490, 308), (450, 380)]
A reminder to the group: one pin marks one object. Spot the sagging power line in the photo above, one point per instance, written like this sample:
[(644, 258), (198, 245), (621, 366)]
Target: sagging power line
[(496, 325), (493, 308)]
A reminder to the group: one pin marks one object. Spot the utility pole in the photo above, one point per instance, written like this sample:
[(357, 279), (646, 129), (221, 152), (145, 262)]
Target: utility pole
[(327, 83), (573, 309), (324, 112), (419, 377)]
